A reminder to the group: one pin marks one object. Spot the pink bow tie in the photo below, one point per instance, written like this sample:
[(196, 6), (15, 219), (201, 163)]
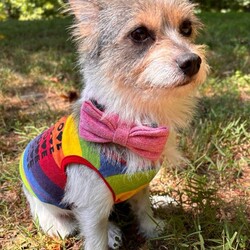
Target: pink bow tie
[(95, 126)]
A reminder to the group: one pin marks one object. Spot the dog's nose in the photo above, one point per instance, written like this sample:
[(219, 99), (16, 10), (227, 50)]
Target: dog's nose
[(189, 63)]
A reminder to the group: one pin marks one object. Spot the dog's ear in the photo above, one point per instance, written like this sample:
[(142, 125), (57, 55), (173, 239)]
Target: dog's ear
[(86, 15), (84, 10)]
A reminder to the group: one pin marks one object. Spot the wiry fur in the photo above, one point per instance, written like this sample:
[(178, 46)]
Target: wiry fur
[(143, 85)]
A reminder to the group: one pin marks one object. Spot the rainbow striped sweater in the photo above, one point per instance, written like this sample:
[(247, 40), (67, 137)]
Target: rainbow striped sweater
[(44, 161)]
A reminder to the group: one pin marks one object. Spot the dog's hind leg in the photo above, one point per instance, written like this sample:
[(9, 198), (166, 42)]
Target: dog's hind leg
[(53, 220)]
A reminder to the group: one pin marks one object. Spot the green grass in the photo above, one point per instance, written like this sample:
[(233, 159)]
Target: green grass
[(37, 71)]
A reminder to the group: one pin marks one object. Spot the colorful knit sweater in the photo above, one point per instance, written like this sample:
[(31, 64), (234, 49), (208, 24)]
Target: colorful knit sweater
[(44, 161)]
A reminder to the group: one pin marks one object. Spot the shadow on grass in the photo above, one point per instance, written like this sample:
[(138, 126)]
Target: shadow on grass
[(203, 221), (224, 107)]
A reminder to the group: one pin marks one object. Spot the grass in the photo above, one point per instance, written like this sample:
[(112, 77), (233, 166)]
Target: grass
[(37, 79)]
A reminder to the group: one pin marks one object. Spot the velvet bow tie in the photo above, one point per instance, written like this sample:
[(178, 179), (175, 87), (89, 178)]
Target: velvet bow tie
[(96, 126)]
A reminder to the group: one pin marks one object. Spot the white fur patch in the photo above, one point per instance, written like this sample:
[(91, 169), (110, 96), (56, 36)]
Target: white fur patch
[(53, 220)]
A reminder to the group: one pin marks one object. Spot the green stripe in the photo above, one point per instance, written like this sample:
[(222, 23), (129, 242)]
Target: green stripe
[(23, 175), (128, 182), (90, 154)]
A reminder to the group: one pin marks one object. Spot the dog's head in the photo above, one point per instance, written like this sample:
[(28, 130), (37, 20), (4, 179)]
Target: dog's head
[(139, 50)]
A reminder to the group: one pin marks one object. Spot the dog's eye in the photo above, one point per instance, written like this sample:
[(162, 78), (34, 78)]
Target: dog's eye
[(140, 35), (186, 28)]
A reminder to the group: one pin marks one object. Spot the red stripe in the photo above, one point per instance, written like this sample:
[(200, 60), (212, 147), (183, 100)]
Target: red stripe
[(47, 162)]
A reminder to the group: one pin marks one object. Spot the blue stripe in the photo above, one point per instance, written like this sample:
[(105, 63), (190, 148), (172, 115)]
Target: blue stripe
[(45, 190), (110, 167)]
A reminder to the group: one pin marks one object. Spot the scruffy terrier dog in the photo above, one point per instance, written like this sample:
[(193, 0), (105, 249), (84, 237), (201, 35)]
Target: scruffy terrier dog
[(141, 69)]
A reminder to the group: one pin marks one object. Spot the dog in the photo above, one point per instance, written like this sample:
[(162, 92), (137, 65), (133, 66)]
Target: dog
[(141, 69)]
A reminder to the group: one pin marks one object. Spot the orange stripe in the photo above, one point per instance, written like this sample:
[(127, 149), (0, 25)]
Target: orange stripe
[(126, 195), (57, 140)]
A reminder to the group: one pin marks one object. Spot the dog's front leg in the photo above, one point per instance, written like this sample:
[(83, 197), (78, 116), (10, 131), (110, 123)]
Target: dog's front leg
[(93, 229), (148, 225), (91, 202)]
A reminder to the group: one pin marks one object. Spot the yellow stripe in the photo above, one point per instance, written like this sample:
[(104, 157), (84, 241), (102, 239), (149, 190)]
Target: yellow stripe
[(126, 195), (72, 144), (23, 176), (70, 140)]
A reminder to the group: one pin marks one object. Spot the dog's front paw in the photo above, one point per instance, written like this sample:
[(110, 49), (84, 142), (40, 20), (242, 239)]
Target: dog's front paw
[(114, 236)]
